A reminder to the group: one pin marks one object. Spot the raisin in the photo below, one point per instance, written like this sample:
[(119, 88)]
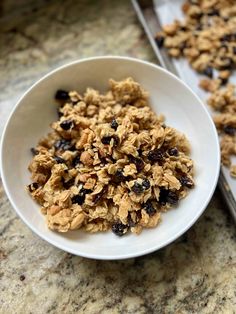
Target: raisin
[(106, 140), (173, 151), (186, 181), (149, 208), (223, 81), (76, 161), (137, 188), (226, 37), (114, 124), (34, 151), (119, 229), (22, 277), (78, 199), (230, 130), (66, 125), (33, 186), (68, 184), (167, 196), (146, 184), (208, 71), (234, 50), (119, 176), (213, 12), (62, 95), (64, 145), (137, 161), (155, 155), (160, 40), (59, 160), (131, 223)]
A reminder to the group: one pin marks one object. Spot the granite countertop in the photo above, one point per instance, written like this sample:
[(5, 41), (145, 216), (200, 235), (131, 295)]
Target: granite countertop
[(195, 274)]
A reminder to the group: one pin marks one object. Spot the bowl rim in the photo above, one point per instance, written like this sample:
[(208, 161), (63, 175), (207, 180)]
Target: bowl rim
[(128, 255)]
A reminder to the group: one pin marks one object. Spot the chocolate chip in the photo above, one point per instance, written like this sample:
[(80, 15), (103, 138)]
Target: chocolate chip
[(119, 229), (173, 151), (64, 145), (114, 124), (186, 181), (155, 155), (146, 184), (67, 125), (137, 161), (160, 40), (149, 208), (62, 95), (167, 196), (208, 71), (34, 151), (230, 130), (59, 160), (137, 188)]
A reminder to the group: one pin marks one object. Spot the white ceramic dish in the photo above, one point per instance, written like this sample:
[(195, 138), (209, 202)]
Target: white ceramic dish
[(34, 112)]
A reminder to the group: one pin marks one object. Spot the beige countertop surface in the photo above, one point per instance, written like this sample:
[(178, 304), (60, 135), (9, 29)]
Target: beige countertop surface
[(195, 274)]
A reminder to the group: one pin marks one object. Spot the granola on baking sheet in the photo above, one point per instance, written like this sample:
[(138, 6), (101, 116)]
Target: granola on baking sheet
[(110, 162), (206, 37)]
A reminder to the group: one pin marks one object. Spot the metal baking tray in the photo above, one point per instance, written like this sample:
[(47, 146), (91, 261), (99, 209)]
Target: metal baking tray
[(149, 20)]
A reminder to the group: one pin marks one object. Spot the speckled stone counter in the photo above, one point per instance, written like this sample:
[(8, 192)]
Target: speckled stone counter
[(196, 274)]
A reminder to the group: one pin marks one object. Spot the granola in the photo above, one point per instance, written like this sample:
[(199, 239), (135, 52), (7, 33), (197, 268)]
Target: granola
[(206, 37), (110, 163)]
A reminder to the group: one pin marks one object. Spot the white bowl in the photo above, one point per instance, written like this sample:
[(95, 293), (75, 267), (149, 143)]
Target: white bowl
[(183, 110)]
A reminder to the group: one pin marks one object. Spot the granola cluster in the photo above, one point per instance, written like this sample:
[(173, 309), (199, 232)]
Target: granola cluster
[(109, 163), (207, 39)]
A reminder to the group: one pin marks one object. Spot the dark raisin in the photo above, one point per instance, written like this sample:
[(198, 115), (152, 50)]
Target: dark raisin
[(146, 184), (140, 152), (66, 125), (68, 184), (186, 181), (114, 124), (226, 37), (85, 191), (64, 145), (137, 161), (59, 113), (137, 188), (116, 140), (34, 151), (106, 140), (22, 277), (160, 41), (223, 81), (208, 71), (119, 176), (149, 208), (59, 160), (167, 196), (173, 151), (98, 196), (155, 155), (33, 186), (78, 199), (62, 95), (234, 50), (76, 161), (213, 12), (230, 130), (131, 223), (229, 63), (119, 229)]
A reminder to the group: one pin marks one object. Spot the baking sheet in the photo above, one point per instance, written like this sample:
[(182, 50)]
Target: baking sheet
[(167, 11)]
